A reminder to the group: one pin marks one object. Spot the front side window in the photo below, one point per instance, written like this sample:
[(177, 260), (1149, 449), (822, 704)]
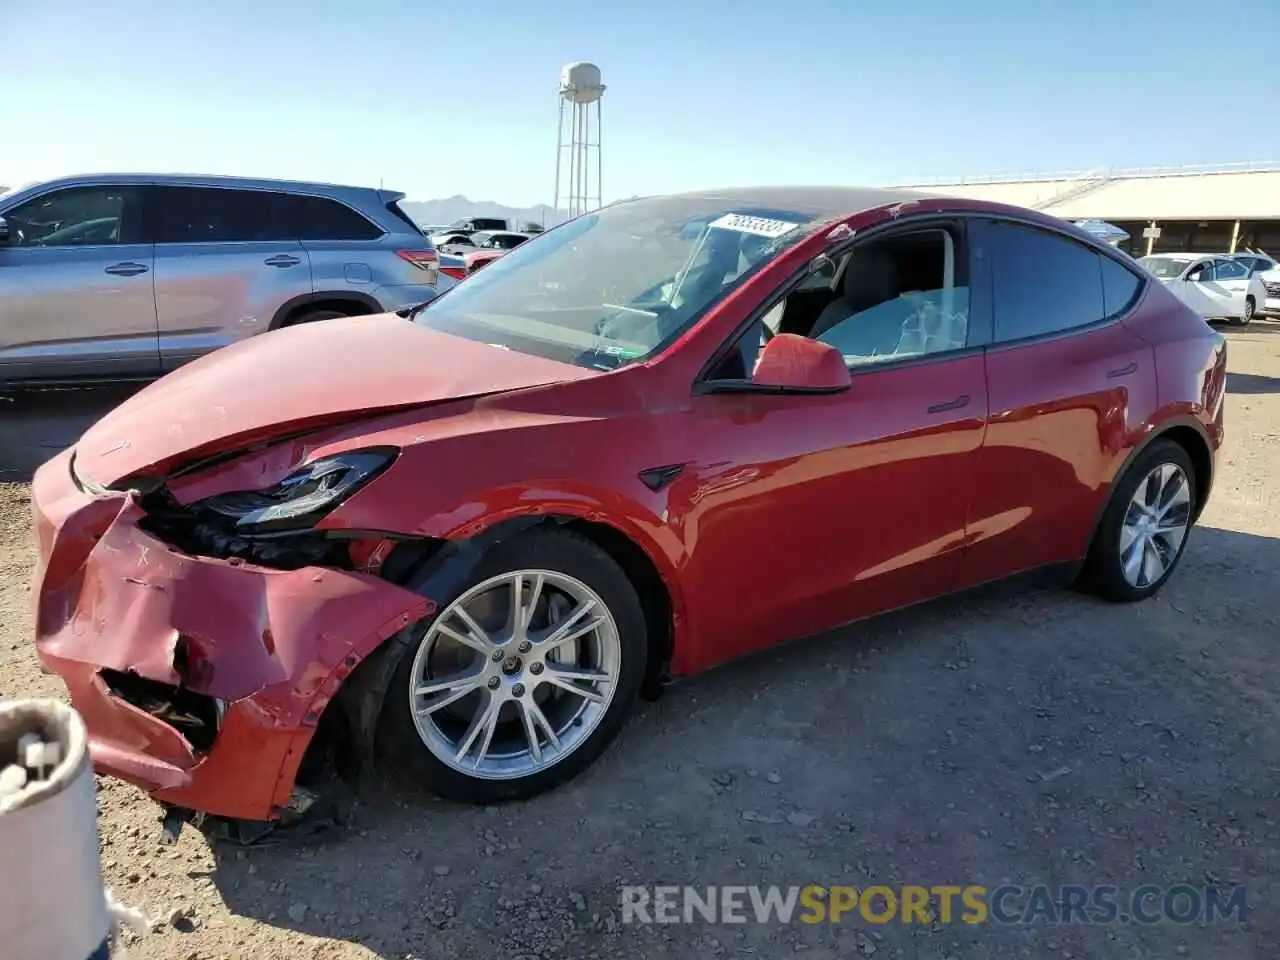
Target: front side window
[(75, 216), (899, 297), (1042, 282), (617, 285), (893, 298)]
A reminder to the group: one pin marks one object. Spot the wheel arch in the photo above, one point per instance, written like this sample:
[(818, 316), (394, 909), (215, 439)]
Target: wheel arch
[(438, 567), (643, 563), (1190, 434), (359, 303)]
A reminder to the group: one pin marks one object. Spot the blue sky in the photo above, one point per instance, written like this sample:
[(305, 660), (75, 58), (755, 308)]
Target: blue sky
[(437, 98)]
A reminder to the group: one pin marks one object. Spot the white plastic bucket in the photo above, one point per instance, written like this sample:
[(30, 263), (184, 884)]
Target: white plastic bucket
[(52, 904)]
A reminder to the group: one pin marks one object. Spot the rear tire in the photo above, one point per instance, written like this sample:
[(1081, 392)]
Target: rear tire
[(531, 733), (315, 316), (1136, 549)]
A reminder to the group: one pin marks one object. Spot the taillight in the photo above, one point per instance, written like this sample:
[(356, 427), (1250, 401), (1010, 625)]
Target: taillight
[(422, 259), (458, 273)]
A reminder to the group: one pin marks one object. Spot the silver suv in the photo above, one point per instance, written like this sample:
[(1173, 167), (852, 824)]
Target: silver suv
[(127, 276)]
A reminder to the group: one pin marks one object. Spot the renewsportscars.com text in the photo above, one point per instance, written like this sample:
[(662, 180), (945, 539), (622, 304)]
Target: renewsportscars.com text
[(970, 904)]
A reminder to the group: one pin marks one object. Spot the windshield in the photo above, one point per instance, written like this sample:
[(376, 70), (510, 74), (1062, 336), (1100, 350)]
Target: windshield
[(617, 285), (1166, 268)]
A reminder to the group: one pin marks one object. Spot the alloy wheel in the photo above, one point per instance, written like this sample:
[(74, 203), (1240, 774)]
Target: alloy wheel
[(1155, 525), (515, 674)]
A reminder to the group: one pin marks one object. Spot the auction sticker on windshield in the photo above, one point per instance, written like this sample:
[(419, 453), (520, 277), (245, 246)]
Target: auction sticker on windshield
[(760, 226)]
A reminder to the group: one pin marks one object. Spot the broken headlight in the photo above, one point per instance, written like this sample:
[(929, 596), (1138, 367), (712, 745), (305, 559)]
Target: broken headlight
[(303, 497)]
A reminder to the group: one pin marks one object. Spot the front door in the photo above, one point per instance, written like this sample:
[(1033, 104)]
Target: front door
[(226, 261), (1229, 287), (76, 296), (800, 513), (1069, 387)]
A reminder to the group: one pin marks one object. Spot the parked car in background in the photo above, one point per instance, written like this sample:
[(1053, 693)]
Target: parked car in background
[(453, 241), (453, 265), (131, 275), (1268, 271), (1106, 232), (481, 258), (463, 243), (467, 553), (1216, 287), (461, 265), (472, 224), (498, 239)]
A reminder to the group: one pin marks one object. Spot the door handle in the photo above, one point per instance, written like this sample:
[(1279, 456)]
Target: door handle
[(955, 404), (126, 269), (1123, 371), (282, 260)]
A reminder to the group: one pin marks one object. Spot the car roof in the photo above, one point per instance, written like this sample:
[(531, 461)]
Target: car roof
[(819, 202), (261, 183), (1177, 256)]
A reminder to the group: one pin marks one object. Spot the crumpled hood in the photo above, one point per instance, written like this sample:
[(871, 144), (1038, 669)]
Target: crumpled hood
[(297, 378)]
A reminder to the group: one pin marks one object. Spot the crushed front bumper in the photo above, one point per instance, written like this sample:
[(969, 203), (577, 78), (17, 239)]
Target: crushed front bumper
[(266, 650)]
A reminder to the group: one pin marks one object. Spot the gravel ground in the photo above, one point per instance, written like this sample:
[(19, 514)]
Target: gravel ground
[(1024, 736)]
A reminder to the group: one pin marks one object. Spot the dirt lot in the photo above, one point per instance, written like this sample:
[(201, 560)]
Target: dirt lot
[(1014, 736)]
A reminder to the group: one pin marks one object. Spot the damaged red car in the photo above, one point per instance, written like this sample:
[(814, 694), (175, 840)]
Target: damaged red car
[(664, 434)]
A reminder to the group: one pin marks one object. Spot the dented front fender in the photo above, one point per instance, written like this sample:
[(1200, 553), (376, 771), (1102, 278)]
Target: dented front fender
[(271, 648)]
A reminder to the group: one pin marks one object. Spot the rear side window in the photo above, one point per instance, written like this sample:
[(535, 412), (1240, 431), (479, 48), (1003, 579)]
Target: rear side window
[(1229, 270), (397, 211), (1042, 282), (212, 215), (319, 218), (1120, 286)]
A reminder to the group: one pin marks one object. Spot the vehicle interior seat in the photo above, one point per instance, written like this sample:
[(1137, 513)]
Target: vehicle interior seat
[(870, 279)]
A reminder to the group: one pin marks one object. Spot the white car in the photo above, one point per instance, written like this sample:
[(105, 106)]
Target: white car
[(1217, 287), (1268, 271), (453, 242)]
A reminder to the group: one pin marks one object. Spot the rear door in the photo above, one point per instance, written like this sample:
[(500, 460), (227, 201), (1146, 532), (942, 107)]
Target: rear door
[(341, 243), (76, 296), (226, 260), (1069, 388)]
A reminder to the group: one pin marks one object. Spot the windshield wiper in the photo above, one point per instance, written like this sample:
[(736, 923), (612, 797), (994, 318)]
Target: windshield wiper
[(410, 312)]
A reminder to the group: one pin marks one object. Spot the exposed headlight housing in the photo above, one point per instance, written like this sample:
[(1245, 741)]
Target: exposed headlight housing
[(305, 496)]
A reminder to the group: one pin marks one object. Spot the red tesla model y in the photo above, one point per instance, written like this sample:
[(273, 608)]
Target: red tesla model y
[(658, 436)]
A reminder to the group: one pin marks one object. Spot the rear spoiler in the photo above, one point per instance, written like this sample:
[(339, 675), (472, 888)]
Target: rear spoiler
[(391, 196)]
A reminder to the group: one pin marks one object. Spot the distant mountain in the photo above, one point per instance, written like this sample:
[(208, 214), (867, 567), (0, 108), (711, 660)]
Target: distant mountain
[(440, 212)]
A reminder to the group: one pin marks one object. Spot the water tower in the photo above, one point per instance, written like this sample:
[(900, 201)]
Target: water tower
[(579, 137)]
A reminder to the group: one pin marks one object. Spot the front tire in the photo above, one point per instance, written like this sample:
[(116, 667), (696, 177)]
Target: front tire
[(523, 678), (1144, 528)]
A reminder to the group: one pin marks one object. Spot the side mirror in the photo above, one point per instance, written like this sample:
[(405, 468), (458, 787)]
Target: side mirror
[(791, 363)]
